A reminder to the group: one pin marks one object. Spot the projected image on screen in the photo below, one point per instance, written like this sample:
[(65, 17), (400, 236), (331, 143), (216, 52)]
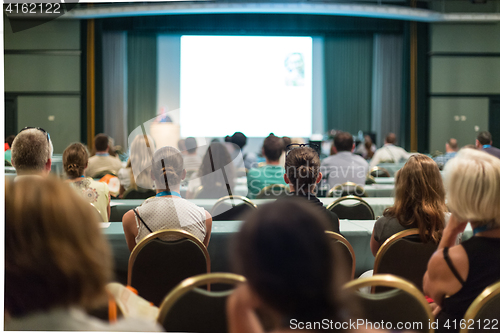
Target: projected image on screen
[(255, 85)]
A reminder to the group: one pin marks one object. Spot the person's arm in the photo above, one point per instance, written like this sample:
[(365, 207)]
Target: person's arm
[(374, 245), (208, 225), (450, 233), (240, 311), (378, 229), (130, 229)]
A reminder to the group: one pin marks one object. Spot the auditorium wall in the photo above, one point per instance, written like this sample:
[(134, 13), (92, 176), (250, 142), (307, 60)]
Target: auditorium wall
[(42, 79)]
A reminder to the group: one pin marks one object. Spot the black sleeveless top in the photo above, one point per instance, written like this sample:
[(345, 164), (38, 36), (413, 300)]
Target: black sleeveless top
[(484, 269)]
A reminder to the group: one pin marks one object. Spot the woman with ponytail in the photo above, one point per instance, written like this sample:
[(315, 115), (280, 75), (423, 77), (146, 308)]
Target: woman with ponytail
[(75, 161), (167, 210), (419, 202), (302, 174)]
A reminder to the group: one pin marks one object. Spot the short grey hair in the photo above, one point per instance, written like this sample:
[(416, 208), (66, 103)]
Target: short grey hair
[(31, 150)]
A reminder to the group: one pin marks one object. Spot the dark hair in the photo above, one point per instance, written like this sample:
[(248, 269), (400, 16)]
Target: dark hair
[(167, 167), (191, 145), (368, 146), (343, 141), (239, 139), (75, 159), (484, 138), (55, 253), (302, 168), (216, 158), (273, 147), (289, 261), (419, 200), (10, 139), (101, 142), (390, 138)]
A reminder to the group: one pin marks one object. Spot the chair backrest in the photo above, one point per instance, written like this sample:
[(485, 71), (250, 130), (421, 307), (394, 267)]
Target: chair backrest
[(188, 308), (155, 267), (404, 255), (103, 173), (483, 310), (231, 207), (343, 190), (379, 172), (138, 193), (404, 303), (370, 180), (360, 210), (345, 249), (273, 191)]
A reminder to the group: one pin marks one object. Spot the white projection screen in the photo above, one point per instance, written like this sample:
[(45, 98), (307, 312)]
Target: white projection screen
[(255, 85)]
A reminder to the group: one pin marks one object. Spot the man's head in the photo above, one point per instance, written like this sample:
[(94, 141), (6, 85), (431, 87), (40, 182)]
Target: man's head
[(191, 145), (239, 139), (272, 148), (343, 142), (483, 138), (101, 142), (32, 152), (451, 145), (390, 138)]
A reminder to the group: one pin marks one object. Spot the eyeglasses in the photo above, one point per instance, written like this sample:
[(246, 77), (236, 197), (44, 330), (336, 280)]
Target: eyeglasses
[(38, 128), (293, 146)]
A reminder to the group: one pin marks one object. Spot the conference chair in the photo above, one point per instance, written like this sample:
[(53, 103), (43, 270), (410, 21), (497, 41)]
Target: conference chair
[(404, 255), (157, 266), (97, 212), (345, 249), (188, 308), (103, 173), (352, 208), (379, 172), (483, 311), (404, 303), (273, 191), (231, 207), (370, 180), (343, 190), (138, 193)]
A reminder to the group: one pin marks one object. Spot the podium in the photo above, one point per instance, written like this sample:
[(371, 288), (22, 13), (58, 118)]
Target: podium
[(165, 134)]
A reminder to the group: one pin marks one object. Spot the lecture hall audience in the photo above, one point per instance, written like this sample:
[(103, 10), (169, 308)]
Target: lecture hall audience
[(102, 161), (57, 261), (75, 161), (457, 274), (419, 202), (167, 210)]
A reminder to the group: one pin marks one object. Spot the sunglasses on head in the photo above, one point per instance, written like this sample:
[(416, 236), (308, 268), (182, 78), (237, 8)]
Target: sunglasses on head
[(293, 146), (38, 128)]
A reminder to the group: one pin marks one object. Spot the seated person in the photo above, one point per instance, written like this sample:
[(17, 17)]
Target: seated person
[(32, 152), (272, 172), (292, 271), (302, 174), (191, 159), (457, 274), (102, 161), (451, 150), (389, 153), (344, 166), (366, 149), (215, 174), (141, 150), (419, 202), (75, 160), (167, 210), (57, 261)]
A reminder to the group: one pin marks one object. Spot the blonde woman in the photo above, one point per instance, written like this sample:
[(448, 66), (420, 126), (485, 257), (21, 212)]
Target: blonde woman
[(457, 274)]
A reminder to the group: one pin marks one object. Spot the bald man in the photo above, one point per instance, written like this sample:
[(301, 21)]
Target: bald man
[(389, 153), (451, 150)]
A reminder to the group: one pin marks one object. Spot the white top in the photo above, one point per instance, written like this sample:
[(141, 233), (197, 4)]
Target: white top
[(98, 164), (389, 153), (161, 213), (96, 193), (124, 177), (345, 167)]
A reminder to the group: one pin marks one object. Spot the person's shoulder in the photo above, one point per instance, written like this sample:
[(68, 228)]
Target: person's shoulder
[(359, 159), (328, 160)]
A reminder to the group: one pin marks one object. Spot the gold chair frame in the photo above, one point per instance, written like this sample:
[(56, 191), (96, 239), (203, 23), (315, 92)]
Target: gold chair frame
[(345, 242), (340, 187), (170, 232), (388, 243), (191, 283), (483, 298), (351, 197), (245, 200), (383, 170), (270, 187), (392, 281)]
